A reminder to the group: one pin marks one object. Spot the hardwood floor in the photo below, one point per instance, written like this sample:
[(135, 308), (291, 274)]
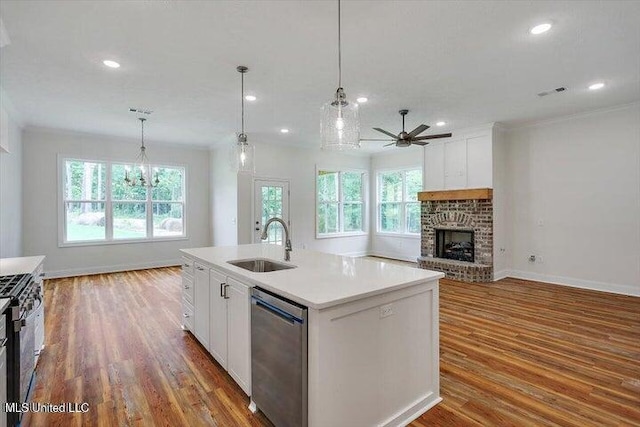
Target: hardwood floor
[(512, 353)]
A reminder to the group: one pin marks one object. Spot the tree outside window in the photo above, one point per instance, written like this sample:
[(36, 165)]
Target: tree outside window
[(398, 206), (340, 202), (99, 207)]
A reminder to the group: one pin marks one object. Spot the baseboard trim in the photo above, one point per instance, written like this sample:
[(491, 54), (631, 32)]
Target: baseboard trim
[(414, 411), (392, 255), (575, 283), (502, 274), (73, 272)]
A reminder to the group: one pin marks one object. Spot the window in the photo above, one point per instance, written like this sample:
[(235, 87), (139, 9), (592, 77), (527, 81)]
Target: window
[(340, 202), (398, 206), (98, 207)]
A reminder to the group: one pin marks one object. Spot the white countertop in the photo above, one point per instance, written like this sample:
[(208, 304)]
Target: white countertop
[(20, 265), (320, 280)]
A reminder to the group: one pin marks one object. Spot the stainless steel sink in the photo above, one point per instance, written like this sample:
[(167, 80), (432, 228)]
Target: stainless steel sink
[(260, 265)]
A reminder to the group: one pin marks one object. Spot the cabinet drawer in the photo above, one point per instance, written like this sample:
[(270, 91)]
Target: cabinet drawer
[(187, 266), (187, 288), (187, 315)]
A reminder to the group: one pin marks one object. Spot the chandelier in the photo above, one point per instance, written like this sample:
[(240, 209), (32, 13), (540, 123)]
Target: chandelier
[(141, 174), (340, 124)]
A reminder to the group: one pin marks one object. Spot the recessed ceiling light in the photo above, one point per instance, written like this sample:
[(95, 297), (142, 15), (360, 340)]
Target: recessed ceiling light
[(250, 98), (362, 99), (541, 28), (111, 64), (596, 86), (441, 123), (283, 130)]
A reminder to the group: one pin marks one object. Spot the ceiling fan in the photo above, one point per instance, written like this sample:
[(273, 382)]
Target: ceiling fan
[(404, 139)]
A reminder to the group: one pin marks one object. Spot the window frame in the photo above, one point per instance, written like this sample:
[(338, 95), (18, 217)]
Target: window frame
[(341, 202), (403, 203), (109, 202)]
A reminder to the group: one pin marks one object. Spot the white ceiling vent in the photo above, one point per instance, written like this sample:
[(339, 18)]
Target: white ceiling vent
[(552, 91), (140, 111)]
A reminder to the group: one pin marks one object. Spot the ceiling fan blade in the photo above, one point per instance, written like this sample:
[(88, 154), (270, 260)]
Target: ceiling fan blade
[(386, 133), (418, 130), (391, 143), (442, 135)]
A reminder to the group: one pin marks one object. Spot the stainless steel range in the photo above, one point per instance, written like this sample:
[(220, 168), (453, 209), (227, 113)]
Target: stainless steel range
[(20, 318)]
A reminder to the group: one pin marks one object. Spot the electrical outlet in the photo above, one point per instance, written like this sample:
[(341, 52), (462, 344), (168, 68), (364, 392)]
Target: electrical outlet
[(532, 258), (386, 311)]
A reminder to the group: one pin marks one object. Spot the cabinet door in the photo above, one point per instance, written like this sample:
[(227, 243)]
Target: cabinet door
[(218, 318), (201, 305), (479, 162), (455, 164), (434, 166), (239, 361)]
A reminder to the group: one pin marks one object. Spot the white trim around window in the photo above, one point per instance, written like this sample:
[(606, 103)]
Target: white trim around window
[(105, 197), (340, 203), (402, 204)]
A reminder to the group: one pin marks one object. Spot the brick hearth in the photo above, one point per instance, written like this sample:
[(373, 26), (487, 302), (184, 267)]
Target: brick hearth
[(456, 214)]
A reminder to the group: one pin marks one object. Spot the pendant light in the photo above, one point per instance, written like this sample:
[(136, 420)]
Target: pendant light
[(340, 124), (245, 152), (141, 174)]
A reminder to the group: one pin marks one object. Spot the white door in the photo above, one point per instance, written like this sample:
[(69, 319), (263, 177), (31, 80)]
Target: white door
[(271, 198)]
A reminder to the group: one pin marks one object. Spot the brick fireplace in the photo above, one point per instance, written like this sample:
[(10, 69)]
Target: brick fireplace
[(461, 212)]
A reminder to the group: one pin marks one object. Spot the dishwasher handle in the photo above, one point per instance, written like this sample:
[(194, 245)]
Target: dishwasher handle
[(276, 311)]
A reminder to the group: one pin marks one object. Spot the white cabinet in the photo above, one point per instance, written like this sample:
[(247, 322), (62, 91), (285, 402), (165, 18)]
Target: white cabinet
[(216, 309), (434, 167), (218, 318), (187, 293), (230, 327), (455, 164), (479, 162), (465, 161), (201, 304), (238, 336)]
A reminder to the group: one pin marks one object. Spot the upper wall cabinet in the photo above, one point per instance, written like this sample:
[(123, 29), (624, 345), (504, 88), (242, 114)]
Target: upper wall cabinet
[(463, 161)]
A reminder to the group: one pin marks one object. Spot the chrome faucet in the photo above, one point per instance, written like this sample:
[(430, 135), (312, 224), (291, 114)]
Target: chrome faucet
[(287, 242)]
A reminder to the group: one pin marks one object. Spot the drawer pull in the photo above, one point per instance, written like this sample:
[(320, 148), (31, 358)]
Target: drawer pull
[(185, 315), (187, 287), (200, 268)]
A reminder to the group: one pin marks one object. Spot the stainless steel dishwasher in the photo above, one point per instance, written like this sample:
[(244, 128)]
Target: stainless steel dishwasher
[(279, 358)]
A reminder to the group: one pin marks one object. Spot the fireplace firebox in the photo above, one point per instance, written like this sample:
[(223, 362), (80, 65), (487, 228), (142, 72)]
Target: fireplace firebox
[(454, 244)]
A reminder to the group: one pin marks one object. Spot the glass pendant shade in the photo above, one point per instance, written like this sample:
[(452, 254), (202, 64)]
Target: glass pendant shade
[(245, 157), (340, 125)]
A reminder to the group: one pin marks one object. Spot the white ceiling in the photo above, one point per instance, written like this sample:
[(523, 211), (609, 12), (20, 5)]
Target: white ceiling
[(465, 62)]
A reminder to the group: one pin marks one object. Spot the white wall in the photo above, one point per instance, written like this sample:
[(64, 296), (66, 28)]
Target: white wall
[(298, 166), (501, 208), (574, 188), (224, 198), (40, 209), (10, 183), (398, 247)]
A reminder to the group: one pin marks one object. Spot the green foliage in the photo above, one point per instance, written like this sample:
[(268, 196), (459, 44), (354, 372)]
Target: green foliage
[(336, 189), (398, 193)]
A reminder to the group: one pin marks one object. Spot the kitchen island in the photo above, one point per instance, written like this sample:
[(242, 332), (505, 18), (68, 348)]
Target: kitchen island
[(372, 328)]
